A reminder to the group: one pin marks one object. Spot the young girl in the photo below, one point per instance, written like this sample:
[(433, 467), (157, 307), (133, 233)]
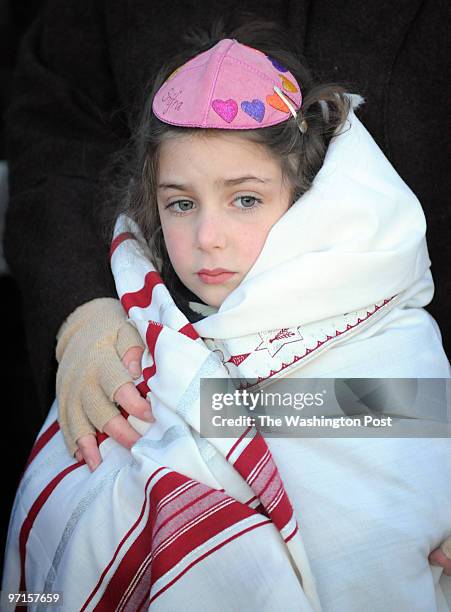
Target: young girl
[(264, 236)]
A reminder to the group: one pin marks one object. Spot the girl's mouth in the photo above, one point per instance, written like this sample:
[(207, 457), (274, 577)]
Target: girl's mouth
[(214, 277)]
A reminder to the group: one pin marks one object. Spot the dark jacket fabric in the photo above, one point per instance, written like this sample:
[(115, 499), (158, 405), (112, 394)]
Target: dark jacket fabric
[(81, 71)]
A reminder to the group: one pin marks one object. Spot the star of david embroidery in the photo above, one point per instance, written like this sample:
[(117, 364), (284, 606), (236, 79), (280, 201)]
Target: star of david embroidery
[(273, 341)]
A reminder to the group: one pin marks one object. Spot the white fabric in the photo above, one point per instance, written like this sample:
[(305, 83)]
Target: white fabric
[(357, 236), (342, 298)]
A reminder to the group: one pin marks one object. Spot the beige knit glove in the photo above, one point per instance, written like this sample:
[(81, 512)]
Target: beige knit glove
[(90, 346)]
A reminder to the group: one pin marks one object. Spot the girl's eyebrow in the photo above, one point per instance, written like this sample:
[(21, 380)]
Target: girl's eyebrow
[(244, 179), (226, 182)]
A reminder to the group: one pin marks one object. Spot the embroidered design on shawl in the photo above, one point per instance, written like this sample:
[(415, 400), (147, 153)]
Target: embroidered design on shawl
[(237, 359), (308, 346), (273, 342)]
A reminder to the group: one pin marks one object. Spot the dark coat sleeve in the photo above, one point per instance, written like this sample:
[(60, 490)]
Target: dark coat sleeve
[(61, 129)]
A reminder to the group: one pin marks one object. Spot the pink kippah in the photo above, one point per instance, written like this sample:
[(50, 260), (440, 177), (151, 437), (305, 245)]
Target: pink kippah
[(230, 86)]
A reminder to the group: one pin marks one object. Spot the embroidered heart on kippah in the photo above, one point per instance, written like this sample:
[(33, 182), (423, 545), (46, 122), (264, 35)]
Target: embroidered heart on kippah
[(226, 109), (276, 102), (276, 64), (288, 85), (255, 109)]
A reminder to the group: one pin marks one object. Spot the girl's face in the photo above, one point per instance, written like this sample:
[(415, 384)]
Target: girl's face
[(218, 197)]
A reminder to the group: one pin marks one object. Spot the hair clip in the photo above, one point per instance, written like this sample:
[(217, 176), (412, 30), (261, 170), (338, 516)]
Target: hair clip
[(303, 124)]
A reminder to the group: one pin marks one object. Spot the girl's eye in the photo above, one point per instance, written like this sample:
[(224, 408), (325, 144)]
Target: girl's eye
[(181, 206), (248, 202)]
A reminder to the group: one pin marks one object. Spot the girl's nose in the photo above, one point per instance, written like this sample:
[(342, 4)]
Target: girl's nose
[(210, 231)]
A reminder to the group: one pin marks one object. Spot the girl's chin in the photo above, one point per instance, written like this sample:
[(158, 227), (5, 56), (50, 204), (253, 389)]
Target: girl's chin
[(213, 296), (214, 303)]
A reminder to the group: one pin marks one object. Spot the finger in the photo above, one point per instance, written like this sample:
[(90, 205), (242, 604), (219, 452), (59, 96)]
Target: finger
[(132, 402), (72, 419), (121, 430), (127, 337), (111, 372), (132, 361), (438, 557), (97, 406), (90, 451), (78, 456)]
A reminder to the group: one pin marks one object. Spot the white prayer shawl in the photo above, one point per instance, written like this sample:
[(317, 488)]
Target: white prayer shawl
[(183, 522)]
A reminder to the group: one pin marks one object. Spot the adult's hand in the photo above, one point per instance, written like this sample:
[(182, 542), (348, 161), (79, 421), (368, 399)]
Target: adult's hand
[(99, 354), (129, 398)]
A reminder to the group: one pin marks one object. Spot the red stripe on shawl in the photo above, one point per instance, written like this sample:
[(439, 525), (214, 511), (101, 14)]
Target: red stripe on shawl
[(120, 238), (188, 330), (251, 455), (143, 297), (246, 462), (197, 534), (283, 511), (154, 329), (243, 435), (172, 516), (45, 493), (292, 534), (148, 373), (143, 387), (45, 437), (134, 566), (151, 576), (167, 485), (104, 601), (274, 473), (139, 550), (101, 436), (209, 552), (31, 517), (48, 434)]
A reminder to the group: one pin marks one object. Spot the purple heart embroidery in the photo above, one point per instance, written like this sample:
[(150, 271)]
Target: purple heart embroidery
[(255, 109), (226, 109), (276, 64)]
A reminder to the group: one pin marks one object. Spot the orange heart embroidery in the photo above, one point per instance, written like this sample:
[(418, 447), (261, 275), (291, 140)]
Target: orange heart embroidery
[(287, 84), (276, 102)]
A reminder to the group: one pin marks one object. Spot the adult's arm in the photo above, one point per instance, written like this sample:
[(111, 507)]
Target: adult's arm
[(62, 126)]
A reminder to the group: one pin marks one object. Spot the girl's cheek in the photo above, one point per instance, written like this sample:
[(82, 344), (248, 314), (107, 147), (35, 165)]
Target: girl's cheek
[(255, 241), (176, 242)]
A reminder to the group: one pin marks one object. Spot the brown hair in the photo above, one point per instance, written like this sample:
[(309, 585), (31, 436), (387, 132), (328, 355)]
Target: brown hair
[(324, 108)]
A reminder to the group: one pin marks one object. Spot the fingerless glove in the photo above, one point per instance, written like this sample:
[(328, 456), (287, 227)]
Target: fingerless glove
[(90, 346)]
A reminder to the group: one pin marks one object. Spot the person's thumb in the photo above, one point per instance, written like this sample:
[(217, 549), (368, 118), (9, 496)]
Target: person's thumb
[(132, 361), (130, 348)]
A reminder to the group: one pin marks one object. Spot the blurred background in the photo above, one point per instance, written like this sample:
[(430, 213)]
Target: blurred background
[(20, 422)]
